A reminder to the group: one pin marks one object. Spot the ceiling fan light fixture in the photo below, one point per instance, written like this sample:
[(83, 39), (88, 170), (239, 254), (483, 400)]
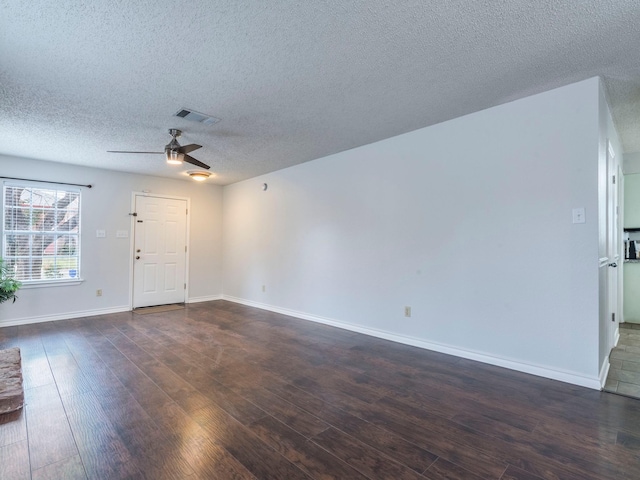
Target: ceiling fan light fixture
[(173, 156), (199, 175)]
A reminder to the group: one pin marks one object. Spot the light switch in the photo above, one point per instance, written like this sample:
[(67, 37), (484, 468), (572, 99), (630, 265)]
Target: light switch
[(101, 233), (578, 215), (122, 233)]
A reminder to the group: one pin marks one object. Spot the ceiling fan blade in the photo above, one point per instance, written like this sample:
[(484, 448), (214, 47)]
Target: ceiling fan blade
[(195, 162), (127, 151), (189, 148)]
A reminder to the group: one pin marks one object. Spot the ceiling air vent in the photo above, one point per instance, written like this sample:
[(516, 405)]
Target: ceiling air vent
[(196, 116)]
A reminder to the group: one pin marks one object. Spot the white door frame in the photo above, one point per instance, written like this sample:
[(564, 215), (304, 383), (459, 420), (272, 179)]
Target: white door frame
[(613, 246), (132, 239), (620, 247)]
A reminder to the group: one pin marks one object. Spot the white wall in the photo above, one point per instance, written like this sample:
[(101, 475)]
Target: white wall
[(632, 201), (631, 163), (632, 270), (105, 261), (468, 222)]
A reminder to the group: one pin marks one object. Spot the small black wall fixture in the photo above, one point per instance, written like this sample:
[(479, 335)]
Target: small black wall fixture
[(46, 181)]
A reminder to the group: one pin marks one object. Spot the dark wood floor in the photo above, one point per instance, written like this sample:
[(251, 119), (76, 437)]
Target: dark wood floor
[(220, 390)]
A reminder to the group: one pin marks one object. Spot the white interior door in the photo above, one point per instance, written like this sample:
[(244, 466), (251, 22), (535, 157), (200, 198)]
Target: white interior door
[(613, 244), (159, 251)]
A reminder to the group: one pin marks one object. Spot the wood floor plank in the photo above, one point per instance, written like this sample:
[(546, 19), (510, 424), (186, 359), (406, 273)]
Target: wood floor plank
[(396, 446), (35, 370), (441, 441), (155, 452), (13, 427), (68, 469), (211, 461), (194, 382), (185, 394), (294, 417), (102, 451), (442, 469), (366, 460), (629, 440), (67, 374), (49, 432), (473, 455), (258, 457), (308, 456), (196, 446), (8, 335), (515, 473), (14, 461), (101, 379), (139, 385), (50, 438), (507, 450)]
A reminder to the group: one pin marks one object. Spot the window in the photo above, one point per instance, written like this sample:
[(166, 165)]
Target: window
[(41, 234)]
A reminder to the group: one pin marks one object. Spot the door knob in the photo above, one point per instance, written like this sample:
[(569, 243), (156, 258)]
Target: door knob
[(614, 264), (137, 257), (138, 250)]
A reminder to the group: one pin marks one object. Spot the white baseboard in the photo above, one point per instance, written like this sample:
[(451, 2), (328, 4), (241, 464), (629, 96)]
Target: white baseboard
[(63, 316), (606, 364), (604, 370), (540, 371), (208, 298), (88, 313)]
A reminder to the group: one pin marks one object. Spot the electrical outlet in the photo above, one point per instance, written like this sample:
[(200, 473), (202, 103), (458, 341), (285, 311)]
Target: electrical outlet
[(264, 288), (407, 311), (99, 292), (578, 215)]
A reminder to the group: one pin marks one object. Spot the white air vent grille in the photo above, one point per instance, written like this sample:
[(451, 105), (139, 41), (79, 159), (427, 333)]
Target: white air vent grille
[(196, 116)]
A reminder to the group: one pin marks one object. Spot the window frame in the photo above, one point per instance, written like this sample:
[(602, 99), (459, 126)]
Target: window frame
[(44, 282)]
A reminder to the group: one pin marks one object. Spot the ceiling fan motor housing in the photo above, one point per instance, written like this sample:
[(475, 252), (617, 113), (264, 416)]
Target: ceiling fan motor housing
[(171, 149)]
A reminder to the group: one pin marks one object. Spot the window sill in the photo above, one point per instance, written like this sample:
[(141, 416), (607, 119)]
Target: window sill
[(51, 283)]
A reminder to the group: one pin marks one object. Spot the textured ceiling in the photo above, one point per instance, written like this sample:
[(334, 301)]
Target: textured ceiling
[(291, 80)]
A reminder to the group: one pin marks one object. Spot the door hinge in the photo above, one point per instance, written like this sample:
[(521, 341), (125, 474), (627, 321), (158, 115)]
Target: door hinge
[(185, 249), (614, 179), (613, 316), (185, 286), (187, 210)]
